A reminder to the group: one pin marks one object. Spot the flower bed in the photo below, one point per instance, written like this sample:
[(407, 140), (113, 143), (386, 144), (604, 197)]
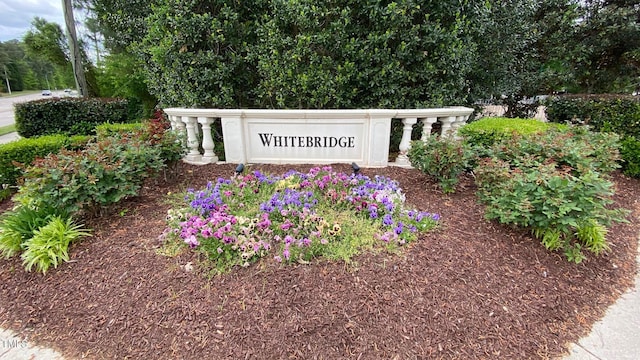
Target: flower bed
[(295, 217)]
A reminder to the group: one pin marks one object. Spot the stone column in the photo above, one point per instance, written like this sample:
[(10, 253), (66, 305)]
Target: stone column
[(405, 143), (179, 127), (427, 124), (460, 121), (209, 155), (192, 139), (447, 123)]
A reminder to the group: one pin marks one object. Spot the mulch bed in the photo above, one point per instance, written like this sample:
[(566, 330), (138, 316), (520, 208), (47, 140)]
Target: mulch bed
[(471, 289)]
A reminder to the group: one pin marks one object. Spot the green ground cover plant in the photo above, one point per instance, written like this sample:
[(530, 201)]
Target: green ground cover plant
[(295, 217)]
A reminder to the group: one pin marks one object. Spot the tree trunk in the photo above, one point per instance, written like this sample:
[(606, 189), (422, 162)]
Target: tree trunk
[(76, 56)]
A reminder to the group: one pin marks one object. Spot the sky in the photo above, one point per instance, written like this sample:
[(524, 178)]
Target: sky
[(16, 16)]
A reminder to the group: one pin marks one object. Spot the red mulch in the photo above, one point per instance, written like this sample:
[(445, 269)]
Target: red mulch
[(472, 289)]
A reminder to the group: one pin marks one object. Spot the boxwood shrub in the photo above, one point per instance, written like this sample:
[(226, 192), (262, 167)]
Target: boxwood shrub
[(72, 116), (108, 129), (489, 130)]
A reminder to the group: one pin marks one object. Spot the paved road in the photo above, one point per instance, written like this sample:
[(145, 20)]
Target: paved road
[(6, 106)]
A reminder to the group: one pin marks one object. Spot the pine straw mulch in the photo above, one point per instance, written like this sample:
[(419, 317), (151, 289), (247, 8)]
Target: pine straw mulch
[(472, 289)]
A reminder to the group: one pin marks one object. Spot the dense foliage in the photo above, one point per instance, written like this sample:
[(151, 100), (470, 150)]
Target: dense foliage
[(556, 185), (619, 114), (442, 158), (24, 151), (487, 131), (69, 184), (74, 116), (305, 54)]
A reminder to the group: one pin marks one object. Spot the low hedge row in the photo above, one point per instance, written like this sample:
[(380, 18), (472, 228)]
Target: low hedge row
[(487, 131), (72, 116), (24, 151), (606, 113), (619, 114)]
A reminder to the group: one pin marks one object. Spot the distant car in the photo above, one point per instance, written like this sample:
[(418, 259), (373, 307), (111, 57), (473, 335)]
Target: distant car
[(46, 92), (67, 90)]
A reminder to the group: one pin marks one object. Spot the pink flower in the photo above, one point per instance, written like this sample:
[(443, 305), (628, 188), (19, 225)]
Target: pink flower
[(192, 241)]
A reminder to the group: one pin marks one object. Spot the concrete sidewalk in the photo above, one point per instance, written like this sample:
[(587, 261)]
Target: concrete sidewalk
[(9, 137), (13, 347), (617, 335)]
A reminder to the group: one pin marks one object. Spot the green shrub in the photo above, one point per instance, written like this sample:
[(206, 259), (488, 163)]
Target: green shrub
[(575, 148), (487, 131), (73, 116), (442, 158), (630, 153), (620, 114), (24, 151), (553, 203), (49, 245), (308, 54), (109, 129), (553, 184), (84, 182)]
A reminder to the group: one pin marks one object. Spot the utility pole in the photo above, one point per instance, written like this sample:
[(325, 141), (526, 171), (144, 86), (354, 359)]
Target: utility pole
[(7, 79), (76, 57)]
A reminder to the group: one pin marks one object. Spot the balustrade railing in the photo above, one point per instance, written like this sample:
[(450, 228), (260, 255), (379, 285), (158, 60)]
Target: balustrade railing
[(360, 135)]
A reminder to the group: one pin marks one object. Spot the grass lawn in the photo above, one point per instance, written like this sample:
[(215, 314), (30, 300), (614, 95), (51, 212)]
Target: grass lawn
[(7, 129), (18, 93)]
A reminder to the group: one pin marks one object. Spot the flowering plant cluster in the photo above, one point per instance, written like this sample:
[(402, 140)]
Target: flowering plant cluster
[(295, 217)]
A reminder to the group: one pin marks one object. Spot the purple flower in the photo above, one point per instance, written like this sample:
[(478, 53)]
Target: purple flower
[(399, 228), (387, 220), (192, 241)]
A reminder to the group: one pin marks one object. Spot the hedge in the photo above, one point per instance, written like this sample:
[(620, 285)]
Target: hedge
[(616, 113), (486, 131), (24, 151), (73, 116)]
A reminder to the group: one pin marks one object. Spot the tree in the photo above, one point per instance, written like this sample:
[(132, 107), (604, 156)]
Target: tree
[(75, 53), (525, 48), (47, 40), (608, 37)]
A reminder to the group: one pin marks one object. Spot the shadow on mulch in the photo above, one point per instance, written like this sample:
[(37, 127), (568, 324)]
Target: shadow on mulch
[(471, 289)]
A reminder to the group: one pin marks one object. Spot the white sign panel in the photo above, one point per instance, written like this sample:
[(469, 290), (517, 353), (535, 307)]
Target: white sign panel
[(309, 140)]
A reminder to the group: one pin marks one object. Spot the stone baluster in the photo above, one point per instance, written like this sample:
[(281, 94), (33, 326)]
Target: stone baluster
[(460, 121), (427, 124), (405, 143), (207, 141), (447, 123), (192, 139), (179, 127)]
